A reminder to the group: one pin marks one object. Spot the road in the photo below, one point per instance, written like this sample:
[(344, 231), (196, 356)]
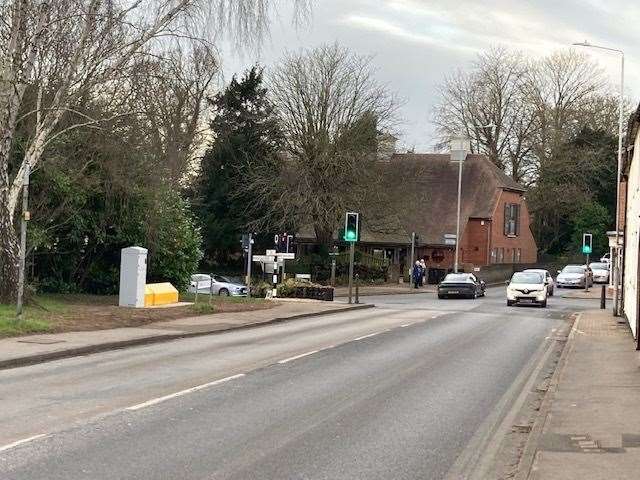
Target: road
[(401, 391)]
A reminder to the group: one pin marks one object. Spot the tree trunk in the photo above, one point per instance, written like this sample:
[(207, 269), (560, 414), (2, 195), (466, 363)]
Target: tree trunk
[(9, 251)]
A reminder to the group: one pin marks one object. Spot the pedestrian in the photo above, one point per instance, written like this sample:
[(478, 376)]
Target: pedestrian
[(417, 274), (423, 266)]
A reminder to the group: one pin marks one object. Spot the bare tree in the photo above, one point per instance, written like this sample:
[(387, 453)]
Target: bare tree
[(331, 109), (67, 49), (488, 104)]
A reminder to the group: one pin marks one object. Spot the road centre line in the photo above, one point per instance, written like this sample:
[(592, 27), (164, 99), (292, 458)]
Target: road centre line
[(155, 401), (287, 360), (21, 442), (370, 335)]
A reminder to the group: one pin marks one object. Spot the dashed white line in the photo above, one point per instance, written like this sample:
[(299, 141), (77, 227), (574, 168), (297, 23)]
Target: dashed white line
[(155, 401), (370, 335), (290, 359), (405, 325), (21, 442)]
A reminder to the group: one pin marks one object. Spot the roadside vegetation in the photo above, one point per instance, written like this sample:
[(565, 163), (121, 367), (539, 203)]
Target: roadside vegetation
[(54, 313)]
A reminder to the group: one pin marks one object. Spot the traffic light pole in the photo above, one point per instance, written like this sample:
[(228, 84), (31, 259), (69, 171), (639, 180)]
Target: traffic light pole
[(586, 273), (413, 254), (352, 254), (249, 260)]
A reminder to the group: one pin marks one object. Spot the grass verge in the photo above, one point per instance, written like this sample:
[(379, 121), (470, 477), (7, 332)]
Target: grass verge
[(32, 322)]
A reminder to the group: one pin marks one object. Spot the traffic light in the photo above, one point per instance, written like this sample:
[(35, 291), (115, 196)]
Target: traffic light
[(352, 227), (587, 243)]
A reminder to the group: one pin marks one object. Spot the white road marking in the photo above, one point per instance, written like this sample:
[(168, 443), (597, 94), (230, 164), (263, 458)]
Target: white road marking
[(405, 325), (155, 401), (290, 359), (369, 336), (21, 442)]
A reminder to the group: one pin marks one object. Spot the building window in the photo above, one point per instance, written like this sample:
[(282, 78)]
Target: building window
[(501, 255), (519, 255), (494, 254), (511, 219)]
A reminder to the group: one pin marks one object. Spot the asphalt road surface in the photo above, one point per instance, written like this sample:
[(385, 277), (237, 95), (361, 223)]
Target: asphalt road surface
[(398, 392)]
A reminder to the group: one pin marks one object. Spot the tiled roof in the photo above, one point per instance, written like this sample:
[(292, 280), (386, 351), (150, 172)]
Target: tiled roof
[(421, 193)]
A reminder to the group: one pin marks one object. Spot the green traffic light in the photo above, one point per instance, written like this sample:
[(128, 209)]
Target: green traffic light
[(351, 235)]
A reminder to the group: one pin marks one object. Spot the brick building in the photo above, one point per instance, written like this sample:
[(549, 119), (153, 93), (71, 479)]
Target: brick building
[(419, 194)]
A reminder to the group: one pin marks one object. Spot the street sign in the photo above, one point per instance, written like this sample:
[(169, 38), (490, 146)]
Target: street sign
[(449, 241), (286, 256), (450, 235), (271, 252), (264, 258)]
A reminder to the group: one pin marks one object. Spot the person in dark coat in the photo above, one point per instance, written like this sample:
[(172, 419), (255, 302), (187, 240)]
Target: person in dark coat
[(417, 274)]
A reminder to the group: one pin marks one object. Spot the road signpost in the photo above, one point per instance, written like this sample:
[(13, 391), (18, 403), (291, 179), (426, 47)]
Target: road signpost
[(333, 255), (587, 248), (351, 235), (413, 258)]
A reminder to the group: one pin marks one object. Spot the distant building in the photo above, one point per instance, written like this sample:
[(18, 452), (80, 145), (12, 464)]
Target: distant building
[(420, 195)]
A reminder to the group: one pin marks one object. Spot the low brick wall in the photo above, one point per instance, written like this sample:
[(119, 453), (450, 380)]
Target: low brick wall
[(499, 273)]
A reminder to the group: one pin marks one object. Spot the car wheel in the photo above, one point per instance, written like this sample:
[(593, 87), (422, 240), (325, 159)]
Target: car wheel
[(510, 303), (551, 293), (543, 304), (223, 292), (440, 296)]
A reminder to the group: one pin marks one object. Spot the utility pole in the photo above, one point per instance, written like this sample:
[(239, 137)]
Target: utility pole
[(23, 240), (460, 147)]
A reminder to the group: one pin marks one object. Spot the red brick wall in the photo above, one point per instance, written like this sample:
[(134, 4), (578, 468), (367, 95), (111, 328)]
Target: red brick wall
[(475, 242), (524, 241), (428, 252)]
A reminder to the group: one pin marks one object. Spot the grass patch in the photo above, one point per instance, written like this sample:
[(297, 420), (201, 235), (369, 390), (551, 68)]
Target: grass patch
[(203, 308), (32, 321)]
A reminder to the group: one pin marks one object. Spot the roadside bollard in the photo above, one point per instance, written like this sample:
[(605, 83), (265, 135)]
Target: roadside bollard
[(603, 297), (357, 288)]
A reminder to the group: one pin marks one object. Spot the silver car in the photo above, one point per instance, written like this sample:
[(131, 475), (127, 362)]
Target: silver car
[(600, 272), (216, 284), (574, 276)]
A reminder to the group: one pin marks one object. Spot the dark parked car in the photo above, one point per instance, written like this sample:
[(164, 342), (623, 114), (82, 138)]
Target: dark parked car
[(465, 285)]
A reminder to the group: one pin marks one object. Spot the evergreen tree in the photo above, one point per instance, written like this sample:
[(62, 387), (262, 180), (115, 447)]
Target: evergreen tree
[(246, 136)]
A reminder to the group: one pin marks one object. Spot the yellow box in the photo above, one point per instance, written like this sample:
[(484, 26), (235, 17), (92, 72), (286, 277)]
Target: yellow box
[(159, 294)]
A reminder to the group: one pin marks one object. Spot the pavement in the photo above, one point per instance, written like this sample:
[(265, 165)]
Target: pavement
[(590, 424), (594, 292), (414, 388), (18, 351)]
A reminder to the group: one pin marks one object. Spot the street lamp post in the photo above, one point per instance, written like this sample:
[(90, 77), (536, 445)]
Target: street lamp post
[(460, 147), (615, 264)]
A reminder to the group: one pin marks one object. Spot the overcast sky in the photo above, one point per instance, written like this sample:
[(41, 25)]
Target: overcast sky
[(416, 43)]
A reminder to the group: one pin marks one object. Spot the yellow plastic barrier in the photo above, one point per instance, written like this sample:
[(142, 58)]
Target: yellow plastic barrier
[(159, 294)]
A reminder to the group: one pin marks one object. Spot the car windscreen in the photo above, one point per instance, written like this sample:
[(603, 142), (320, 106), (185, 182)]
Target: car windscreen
[(456, 277), (573, 269), (221, 279), (526, 277), (599, 266)]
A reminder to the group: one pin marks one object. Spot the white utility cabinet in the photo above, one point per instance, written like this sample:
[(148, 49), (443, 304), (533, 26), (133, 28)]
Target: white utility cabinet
[(133, 276)]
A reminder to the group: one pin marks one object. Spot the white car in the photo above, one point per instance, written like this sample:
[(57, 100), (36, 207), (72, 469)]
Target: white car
[(574, 276), (527, 288), (548, 279), (217, 285), (600, 272)]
